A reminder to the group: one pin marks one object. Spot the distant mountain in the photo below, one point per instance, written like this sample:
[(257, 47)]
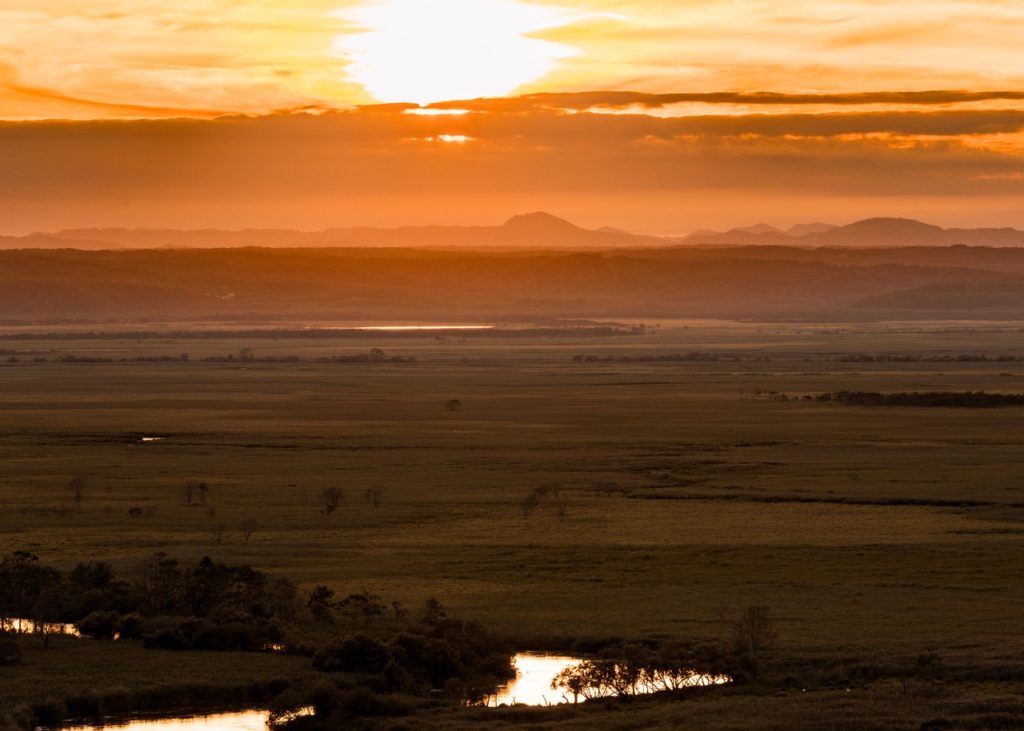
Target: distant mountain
[(532, 230), (802, 229), (869, 233), (759, 228), (527, 231), (883, 232)]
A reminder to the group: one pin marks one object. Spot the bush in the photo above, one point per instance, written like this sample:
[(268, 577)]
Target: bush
[(165, 633), (100, 625), (440, 663), (129, 627), (357, 654), (227, 637), (364, 703)]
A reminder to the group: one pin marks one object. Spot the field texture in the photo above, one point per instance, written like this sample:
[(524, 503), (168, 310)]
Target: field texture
[(674, 492)]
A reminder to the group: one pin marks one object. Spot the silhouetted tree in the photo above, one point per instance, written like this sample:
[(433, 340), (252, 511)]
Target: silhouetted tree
[(76, 486), (321, 603), (433, 612), (373, 495), (49, 609), (362, 606), (248, 527), (329, 499), (754, 630)]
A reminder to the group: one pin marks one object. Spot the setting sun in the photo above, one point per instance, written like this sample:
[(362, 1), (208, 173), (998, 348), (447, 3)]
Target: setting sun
[(411, 51)]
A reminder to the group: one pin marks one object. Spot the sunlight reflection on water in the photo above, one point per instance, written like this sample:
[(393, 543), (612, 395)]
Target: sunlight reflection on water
[(414, 328), (241, 721), (29, 627), (535, 673), (532, 685)]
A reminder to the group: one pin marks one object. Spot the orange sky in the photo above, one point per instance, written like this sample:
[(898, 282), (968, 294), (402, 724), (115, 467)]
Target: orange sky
[(126, 113)]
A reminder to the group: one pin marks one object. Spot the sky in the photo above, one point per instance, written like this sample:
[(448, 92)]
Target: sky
[(657, 115)]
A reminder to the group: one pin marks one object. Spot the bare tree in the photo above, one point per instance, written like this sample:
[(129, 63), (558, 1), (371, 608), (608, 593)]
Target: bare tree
[(562, 508), (373, 495), (248, 527), (77, 487), (532, 501), (204, 490), (755, 629), (218, 533), (329, 499), (190, 488)]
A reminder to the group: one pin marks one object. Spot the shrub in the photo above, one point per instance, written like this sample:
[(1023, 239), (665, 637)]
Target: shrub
[(129, 627), (100, 625), (364, 703), (439, 662), (357, 654)]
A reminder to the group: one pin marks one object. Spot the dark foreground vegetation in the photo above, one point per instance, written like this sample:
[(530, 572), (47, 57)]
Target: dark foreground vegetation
[(358, 662), (376, 659)]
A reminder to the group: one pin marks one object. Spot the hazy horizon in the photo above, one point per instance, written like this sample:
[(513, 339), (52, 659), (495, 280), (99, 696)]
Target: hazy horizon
[(594, 223)]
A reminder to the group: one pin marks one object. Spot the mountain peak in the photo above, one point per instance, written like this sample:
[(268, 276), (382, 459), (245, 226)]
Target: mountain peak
[(540, 222), (759, 228), (893, 224)]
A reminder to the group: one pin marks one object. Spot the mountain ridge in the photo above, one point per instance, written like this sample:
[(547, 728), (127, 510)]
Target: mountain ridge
[(525, 231)]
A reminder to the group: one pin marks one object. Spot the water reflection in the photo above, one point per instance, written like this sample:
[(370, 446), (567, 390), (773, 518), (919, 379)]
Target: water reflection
[(415, 328), (240, 721), (536, 673), (31, 627), (532, 684)]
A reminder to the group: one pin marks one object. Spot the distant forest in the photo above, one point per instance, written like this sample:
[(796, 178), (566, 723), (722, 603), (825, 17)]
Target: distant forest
[(762, 282)]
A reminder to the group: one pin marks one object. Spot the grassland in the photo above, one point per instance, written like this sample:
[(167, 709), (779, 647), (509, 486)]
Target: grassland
[(871, 533)]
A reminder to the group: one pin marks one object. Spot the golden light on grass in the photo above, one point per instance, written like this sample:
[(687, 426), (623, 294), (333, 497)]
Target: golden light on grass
[(423, 52)]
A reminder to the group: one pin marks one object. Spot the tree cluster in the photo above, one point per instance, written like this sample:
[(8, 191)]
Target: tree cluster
[(209, 605), (936, 399), (628, 669)]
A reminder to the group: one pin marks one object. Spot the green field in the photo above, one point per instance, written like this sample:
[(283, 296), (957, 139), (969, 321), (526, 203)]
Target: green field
[(676, 496)]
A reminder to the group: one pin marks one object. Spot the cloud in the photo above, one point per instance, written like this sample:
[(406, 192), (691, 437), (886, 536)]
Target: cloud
[(139, 57), (340, 167), (578, 101)]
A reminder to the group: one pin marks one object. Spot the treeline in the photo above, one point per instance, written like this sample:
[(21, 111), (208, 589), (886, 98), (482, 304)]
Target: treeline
[(364, 646), (374, 355), (919, 358), (376, 658), (209, 606), (935, 399), (675, 358), (326, 333), (629, 669)]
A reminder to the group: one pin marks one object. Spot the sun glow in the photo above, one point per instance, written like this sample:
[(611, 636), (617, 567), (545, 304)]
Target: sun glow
[(424, 52)]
